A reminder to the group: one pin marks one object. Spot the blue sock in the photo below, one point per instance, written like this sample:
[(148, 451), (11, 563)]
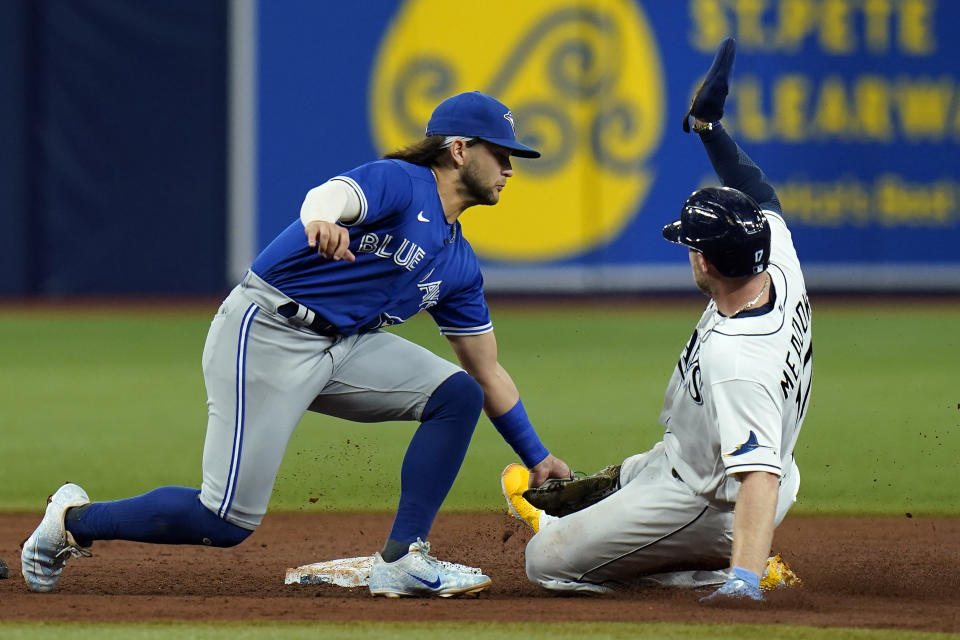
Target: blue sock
[(168, 515), (433, 459)]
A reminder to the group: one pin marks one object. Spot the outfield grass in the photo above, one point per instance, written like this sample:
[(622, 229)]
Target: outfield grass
[(416, 631), (114, 400)]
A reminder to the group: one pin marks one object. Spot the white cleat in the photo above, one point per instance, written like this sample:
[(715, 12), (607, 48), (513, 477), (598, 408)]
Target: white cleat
[(45, 552), (420, 574)]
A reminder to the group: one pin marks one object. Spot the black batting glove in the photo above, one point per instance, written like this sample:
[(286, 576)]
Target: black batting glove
[(708, 102)]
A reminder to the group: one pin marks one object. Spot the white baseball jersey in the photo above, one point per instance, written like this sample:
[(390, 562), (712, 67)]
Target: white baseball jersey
[(735, 403), (738, 395)]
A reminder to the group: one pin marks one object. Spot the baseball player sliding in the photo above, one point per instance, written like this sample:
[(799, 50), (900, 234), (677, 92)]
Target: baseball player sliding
[(700, 507), (303, 331)]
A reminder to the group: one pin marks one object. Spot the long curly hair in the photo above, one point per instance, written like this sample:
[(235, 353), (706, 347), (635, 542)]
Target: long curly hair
[(425, 153)]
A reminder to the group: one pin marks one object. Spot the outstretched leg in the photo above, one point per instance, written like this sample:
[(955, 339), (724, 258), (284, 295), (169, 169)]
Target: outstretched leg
[(255, 397), (168, 515)]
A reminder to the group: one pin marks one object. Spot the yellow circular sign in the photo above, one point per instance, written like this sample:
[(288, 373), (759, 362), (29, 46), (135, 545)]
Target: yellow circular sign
[(584, 83)]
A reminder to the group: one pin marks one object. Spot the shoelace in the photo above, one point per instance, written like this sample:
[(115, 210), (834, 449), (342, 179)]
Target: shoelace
[(73, 549), (423, 548), (76, 552)]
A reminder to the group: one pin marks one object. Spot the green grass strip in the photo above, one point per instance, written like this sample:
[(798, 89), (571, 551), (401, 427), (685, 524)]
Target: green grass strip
[(115, 401), (441, 630)]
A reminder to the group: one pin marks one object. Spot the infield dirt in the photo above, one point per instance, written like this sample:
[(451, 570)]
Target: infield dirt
[(857, 572)]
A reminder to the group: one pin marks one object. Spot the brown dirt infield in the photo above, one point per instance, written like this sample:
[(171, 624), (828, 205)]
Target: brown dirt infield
[(858, 572)]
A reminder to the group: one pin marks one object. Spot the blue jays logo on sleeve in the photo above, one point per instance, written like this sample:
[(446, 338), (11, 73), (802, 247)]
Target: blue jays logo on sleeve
[(431, 293), (750, 445)]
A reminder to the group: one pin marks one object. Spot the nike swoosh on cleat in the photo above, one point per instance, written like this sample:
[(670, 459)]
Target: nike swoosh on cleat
[(422, 218), (433, 585)]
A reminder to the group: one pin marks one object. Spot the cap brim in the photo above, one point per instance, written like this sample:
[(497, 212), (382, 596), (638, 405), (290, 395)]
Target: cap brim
[(516, 148), (672, 232)]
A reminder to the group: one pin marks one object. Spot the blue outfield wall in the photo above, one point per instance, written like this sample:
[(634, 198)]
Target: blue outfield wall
[(116, 124), (112, 117), (15, 255), (851, 107)]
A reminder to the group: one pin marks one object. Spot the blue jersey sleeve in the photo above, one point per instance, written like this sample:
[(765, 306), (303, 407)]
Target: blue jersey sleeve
[(383, 187), (464, 312)]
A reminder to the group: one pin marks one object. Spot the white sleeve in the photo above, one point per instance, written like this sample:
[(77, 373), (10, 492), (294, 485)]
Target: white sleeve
[(749, 423), (332, 201)]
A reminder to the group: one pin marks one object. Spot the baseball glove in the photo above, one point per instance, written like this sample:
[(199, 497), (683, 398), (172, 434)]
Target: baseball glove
[(563, 496), (707, 104)]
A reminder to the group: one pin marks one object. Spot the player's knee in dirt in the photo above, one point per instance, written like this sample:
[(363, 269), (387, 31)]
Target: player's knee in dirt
[(224, 534), (543, 558), (213, 530)]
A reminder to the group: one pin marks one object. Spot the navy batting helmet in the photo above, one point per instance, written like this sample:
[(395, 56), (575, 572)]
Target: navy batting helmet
[(727, 227)]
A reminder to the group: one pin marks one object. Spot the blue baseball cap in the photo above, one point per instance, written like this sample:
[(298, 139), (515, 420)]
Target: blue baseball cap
[(477, 115)]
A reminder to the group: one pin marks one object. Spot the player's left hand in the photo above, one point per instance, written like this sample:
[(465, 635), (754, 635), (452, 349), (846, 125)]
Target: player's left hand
[(549, 467), (741, 585), (708, 102)]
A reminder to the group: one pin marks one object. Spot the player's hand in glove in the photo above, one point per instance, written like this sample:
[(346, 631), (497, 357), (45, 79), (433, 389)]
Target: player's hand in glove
[(707, 104), (563, 496), (743, 584), (549, 467)]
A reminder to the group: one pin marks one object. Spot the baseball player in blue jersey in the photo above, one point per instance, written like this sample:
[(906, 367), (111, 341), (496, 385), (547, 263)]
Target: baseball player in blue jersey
[(302, 331), (699, 509)]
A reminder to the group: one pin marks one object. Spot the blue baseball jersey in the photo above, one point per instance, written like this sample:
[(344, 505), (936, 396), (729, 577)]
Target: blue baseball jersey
[(408, 258)]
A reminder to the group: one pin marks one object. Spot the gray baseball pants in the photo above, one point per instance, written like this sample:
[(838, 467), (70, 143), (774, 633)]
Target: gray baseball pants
[(655, 529), (263, 373)]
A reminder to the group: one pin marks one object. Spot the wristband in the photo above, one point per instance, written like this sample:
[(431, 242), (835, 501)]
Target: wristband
[(706, 126), (747, 576), (516, 429)]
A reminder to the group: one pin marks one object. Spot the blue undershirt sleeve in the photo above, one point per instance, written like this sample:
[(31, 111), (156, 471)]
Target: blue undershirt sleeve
[(735, 169)]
